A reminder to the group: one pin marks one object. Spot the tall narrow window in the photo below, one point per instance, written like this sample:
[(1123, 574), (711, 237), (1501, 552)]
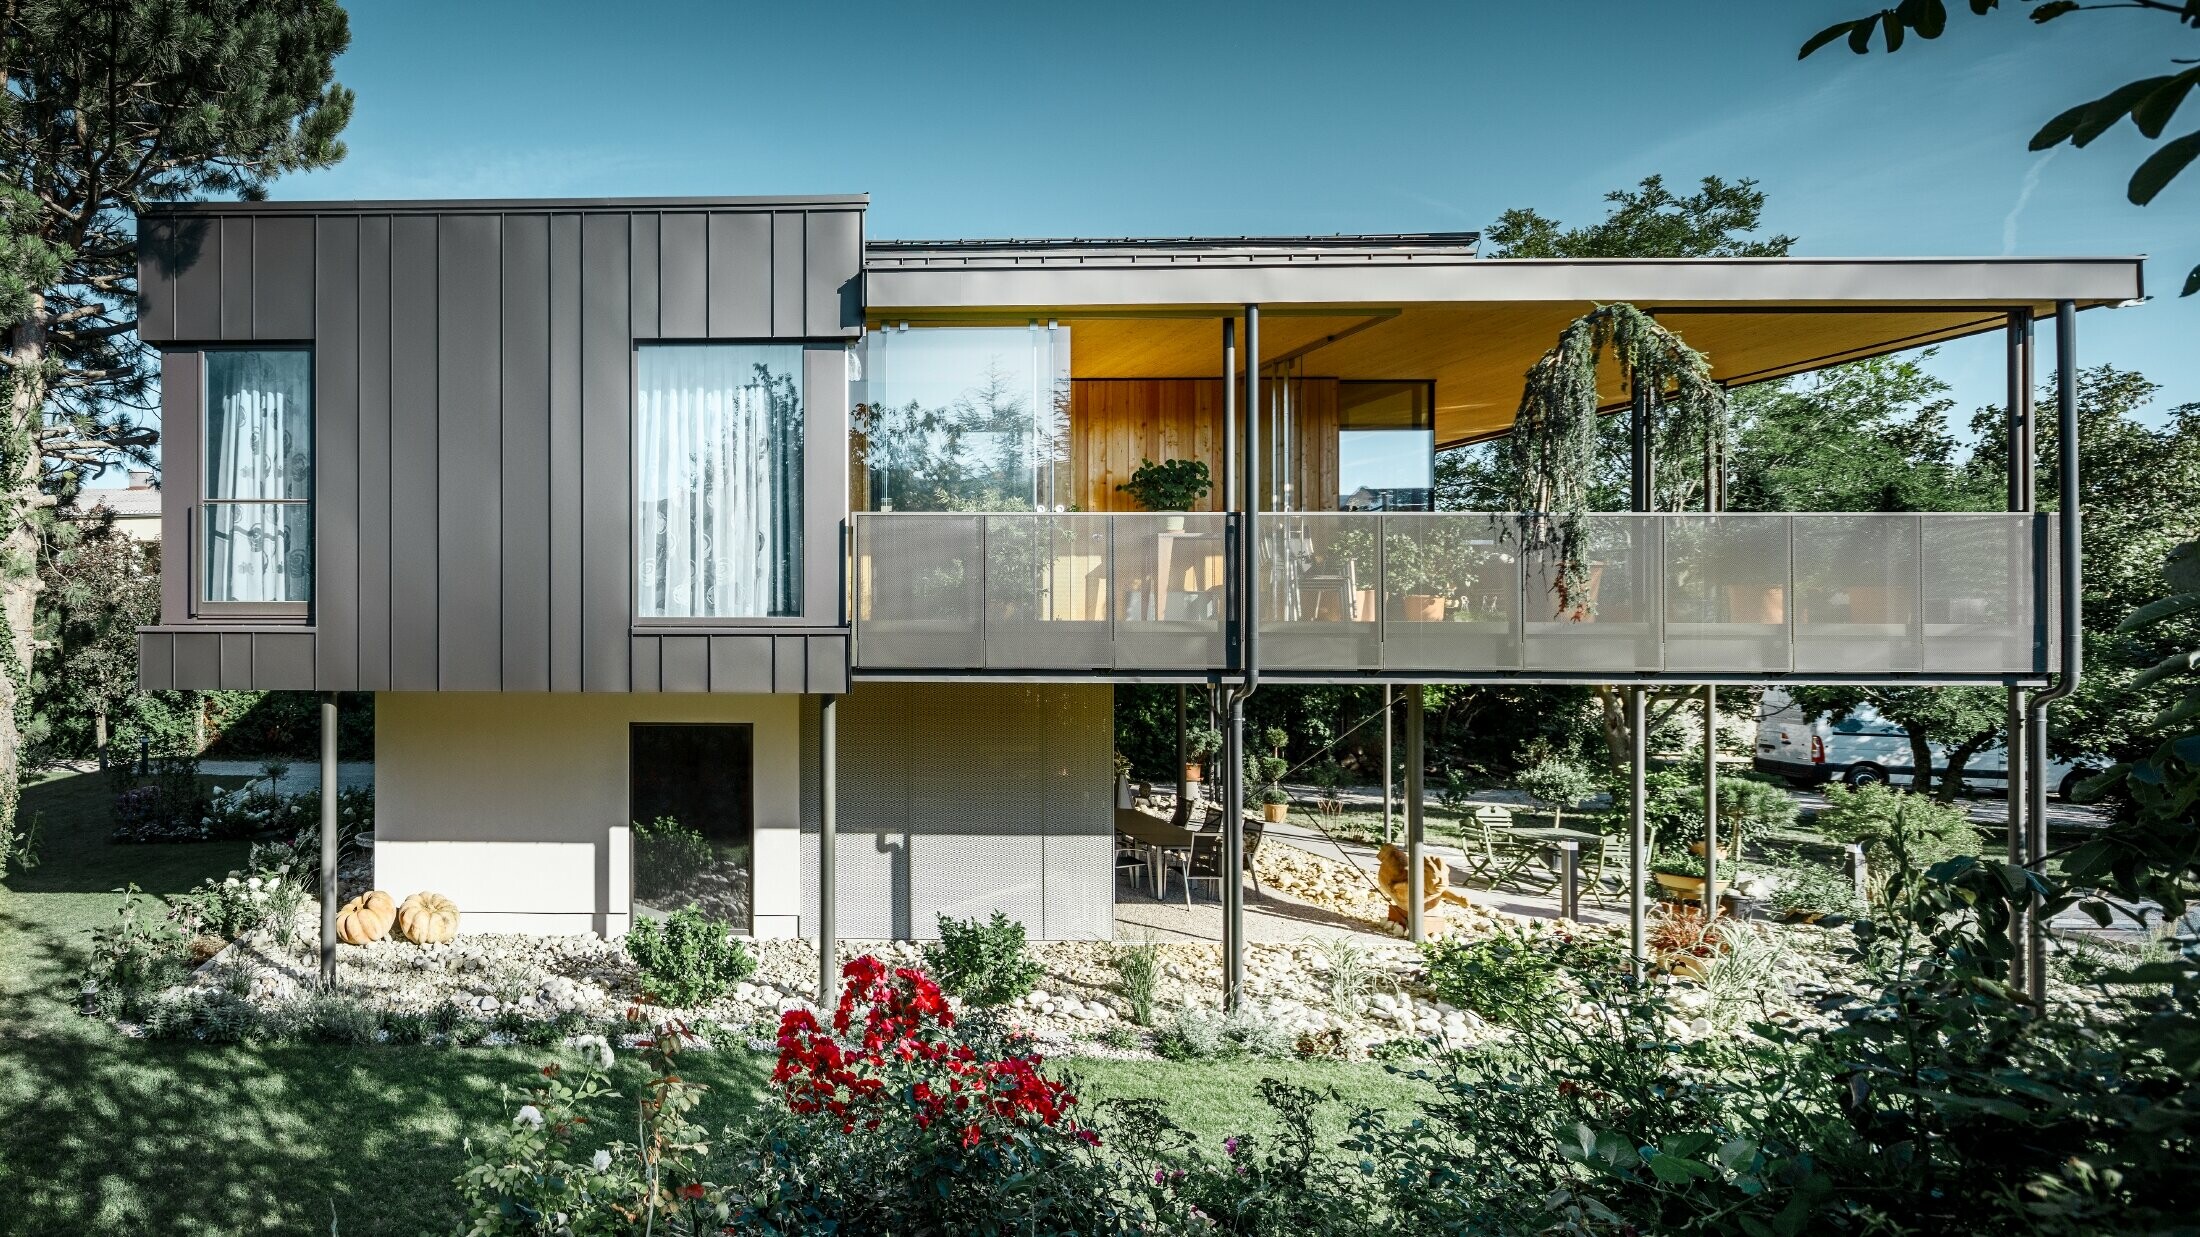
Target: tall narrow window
[(257, 509), (718, 480)]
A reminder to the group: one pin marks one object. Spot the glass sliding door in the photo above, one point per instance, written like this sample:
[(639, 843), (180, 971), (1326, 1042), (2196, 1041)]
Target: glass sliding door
[(962, 419), (691, 798), (718, 481)]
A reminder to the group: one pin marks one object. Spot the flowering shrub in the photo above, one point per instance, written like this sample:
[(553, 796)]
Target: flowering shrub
[(532, 1176), (267, 893), (902, 1062), (895, 1122)]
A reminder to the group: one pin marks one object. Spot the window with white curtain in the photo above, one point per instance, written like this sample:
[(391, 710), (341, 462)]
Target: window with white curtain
[(256, 509), (718, 481)]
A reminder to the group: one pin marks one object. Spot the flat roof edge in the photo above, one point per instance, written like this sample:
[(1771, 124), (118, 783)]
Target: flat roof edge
[(448, 206)]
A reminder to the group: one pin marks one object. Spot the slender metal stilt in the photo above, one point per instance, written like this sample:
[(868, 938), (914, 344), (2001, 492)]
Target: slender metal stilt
[(1638, 834), (1183, 784), (328, 839), (1389, 763), (1233, 855), (828, 849), (1711, 804), (1415, 822)]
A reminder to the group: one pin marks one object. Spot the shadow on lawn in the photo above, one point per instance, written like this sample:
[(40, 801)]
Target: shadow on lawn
[(103, 1133)]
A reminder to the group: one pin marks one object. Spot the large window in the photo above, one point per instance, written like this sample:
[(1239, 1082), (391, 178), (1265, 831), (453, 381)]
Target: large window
[(961, 418), (718, 481), (1386, 446), (256, 507)]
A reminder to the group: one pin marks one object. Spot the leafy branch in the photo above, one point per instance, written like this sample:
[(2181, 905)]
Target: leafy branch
[(2150, 102)]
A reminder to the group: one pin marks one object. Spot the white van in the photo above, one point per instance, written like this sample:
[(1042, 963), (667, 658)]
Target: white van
[(1866, 748)]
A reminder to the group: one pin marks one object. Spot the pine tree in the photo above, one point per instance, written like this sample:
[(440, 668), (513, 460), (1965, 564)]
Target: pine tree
[(111, 105)]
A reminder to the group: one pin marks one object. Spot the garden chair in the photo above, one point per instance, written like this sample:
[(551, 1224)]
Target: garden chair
[(1204, 863), (1130, 857), (1493, 855)]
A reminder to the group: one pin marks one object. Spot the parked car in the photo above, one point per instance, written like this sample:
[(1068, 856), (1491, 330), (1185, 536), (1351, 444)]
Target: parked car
[(1864, 748)]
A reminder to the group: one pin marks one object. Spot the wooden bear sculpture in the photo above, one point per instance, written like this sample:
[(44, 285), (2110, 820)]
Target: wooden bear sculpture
[(428, 919), (1393, 872), (366, 918)]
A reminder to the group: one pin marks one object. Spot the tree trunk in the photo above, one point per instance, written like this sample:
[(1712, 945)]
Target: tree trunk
[(1951, 781), (1921, 763), (19, 496), (1618, 743)]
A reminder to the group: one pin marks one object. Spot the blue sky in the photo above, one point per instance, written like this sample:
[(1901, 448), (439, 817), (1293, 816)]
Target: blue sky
[(1189, 118)]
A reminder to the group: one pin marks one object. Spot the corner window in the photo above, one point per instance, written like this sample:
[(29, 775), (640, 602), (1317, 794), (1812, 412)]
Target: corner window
[(1386, 446), (718, 481), (256, 498)]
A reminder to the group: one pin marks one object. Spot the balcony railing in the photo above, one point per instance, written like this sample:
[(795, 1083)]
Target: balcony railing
[(1956, 595)]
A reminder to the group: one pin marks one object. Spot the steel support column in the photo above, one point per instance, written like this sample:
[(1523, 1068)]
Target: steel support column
[(1638, 832), (1183, 784), (828, 849), (1416, 764), (1233, 854), (1389, 763), (2070, 629), (1711, 804), (2016, 729), (328, 839)]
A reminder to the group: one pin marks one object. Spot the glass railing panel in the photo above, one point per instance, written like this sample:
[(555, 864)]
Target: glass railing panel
[(1451, 591), (917, 585), (1047, 592), (1983, 604), (1857, 593), (1609, 620), (1171, 591), (1319, 584), (1726, 593)]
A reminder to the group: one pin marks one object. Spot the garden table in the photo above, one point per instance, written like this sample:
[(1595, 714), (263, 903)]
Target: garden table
[(1156, 838)]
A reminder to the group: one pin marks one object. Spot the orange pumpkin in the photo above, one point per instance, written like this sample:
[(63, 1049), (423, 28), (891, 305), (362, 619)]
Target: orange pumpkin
[(428, 919), (365, 918)]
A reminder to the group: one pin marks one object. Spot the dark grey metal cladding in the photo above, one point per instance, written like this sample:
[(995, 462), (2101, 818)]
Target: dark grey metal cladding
[(746, 662), (473, 405)]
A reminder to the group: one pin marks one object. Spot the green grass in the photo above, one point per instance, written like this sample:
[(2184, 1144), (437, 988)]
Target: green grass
[(103, 1133)]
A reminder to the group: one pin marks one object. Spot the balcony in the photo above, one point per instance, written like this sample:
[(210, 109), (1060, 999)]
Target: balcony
[(1939, 596)]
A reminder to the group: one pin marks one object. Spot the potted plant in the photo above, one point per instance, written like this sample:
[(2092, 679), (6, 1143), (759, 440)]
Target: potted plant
[(1122, 780), (1747, 808), (1267, 772), (1171, 485), (1200, 742), (1679, 872)]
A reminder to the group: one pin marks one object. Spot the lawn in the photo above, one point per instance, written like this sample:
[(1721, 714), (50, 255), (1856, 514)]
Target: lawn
[(103, 1133)]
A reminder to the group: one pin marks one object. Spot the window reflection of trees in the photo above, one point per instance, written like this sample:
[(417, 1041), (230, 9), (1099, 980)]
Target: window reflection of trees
[(989, 449)]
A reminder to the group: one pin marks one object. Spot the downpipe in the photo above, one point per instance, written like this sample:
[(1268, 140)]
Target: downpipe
[(2070, 579)]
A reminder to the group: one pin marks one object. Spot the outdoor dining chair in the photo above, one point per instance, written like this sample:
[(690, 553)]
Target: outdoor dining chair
[(1130, 857), (1494, 856)]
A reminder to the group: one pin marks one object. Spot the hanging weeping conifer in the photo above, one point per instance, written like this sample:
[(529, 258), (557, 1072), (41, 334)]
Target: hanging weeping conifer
[(1553, 446)]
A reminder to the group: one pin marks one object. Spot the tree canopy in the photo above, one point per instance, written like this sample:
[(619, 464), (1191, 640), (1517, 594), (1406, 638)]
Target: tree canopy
[(110, 106)]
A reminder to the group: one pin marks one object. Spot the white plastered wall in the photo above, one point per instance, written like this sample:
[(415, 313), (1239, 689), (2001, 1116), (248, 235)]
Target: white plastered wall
[(515, 805)]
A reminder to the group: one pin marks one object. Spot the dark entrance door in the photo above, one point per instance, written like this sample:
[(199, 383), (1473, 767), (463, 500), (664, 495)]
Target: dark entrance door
[(691, 798)]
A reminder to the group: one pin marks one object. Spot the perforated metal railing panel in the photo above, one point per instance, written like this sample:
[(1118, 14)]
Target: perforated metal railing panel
[(1444, 593), (966, 798)]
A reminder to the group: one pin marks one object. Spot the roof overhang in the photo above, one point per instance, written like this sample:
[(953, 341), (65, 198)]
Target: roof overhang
[(1476, 325)]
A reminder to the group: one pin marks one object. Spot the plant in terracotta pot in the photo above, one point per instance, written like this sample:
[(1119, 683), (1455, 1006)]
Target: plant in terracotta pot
[(1748, 808), (1267, 773), (1171, 485), (1200, 743)]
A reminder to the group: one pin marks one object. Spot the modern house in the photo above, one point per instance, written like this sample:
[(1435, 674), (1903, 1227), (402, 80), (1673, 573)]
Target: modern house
[(717, 510)]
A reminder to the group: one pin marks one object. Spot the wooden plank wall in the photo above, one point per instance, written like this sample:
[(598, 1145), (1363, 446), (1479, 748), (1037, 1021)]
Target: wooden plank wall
[(1114, 423)]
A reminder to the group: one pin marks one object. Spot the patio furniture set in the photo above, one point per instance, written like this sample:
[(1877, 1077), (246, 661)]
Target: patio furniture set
[(1149, 848)]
